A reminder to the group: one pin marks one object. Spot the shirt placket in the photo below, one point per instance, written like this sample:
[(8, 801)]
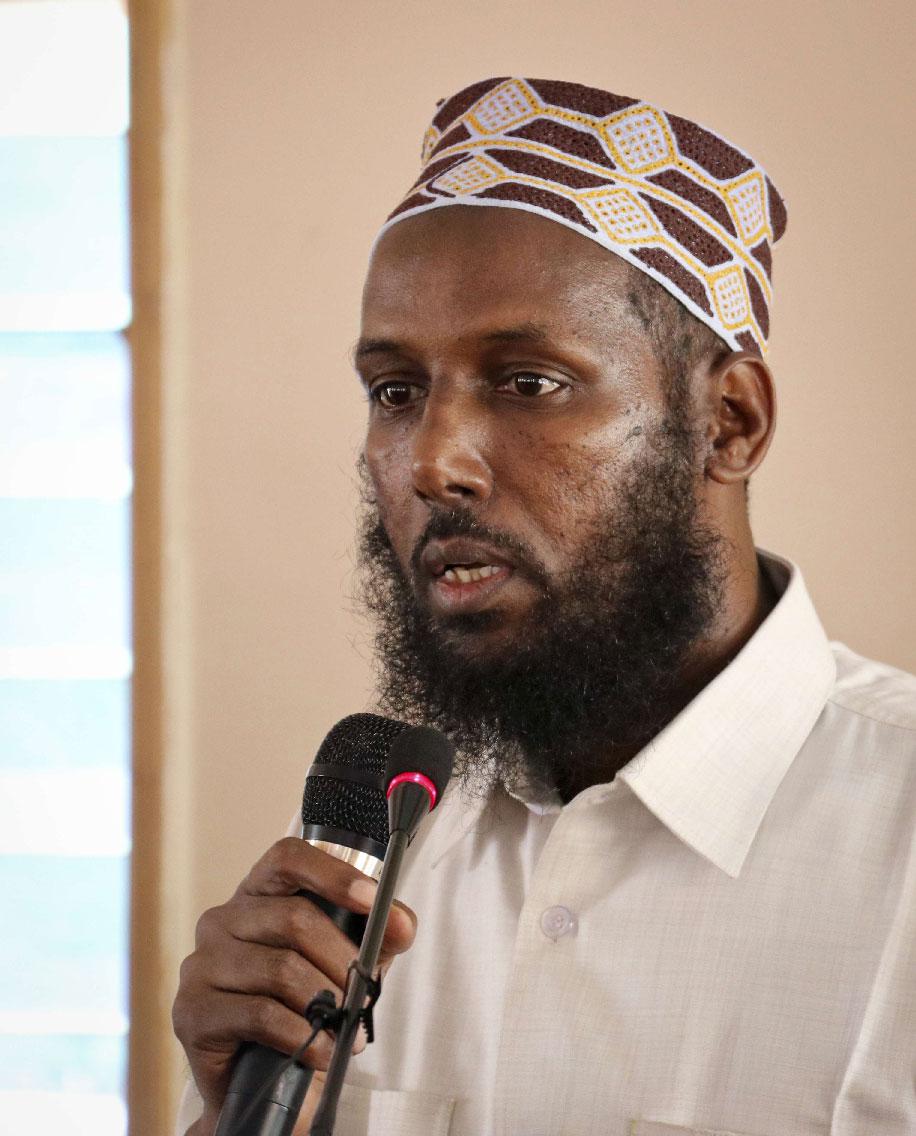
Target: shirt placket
[(556, 931)]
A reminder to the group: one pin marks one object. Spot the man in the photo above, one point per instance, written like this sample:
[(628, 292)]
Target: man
[(677, 893)]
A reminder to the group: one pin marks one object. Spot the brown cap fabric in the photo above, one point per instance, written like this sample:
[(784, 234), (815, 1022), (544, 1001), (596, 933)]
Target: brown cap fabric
[(677, 201)]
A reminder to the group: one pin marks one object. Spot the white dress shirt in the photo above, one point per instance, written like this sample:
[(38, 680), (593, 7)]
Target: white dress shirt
[(720, 941)]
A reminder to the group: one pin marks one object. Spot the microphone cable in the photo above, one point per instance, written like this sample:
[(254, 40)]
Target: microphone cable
[(322, 1013)]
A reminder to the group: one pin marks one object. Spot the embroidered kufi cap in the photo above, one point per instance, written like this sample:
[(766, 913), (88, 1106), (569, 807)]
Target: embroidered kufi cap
[(674, 199)]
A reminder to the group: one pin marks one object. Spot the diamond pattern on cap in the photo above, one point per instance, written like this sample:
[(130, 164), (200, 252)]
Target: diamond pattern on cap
[(675, 200), (640, 140), (430, 138), (730, 296), (620, 214), (504, 106), (748, 201), (468, 176)]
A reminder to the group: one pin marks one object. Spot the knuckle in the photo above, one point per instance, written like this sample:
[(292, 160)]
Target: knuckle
[(187, 973), (298, 920), (207, 924), (293, 845), (267, 866), (182, 1018), (188, 998), (178, 1017), (286, 973), (284, 854), (274, 856), (307, 924), (261, 1016)]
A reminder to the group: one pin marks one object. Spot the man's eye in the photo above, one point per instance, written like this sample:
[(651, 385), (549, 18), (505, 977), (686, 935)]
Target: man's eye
[(392, 396), (531, 385)]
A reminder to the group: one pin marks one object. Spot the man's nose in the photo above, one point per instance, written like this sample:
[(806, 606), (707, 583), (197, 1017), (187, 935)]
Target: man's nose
[(449, 467)]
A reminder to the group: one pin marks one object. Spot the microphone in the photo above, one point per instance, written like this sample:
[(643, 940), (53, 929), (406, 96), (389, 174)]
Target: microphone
[(344, 813), (418, 771)]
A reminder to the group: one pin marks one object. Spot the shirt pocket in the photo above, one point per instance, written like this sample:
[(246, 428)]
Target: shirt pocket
[(660, 1128), (392, 1112)]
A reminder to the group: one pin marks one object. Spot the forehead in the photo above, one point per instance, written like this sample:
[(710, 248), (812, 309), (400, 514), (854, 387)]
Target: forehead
[(461, 271)]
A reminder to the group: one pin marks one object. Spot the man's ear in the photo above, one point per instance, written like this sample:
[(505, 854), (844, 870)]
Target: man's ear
[(741, 416)]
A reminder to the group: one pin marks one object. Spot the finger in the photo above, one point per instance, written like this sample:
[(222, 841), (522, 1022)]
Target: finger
[(400, 931), (361, 1040), (233, 1018), (292, 865), (250, 968), (288, 922)]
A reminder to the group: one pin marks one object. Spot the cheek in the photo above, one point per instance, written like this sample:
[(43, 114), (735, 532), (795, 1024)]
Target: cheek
[(388, 470), (387, 455), (564, 483)]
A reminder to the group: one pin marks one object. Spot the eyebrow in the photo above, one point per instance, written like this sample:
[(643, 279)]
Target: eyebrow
[(364, 347), (523, 332)]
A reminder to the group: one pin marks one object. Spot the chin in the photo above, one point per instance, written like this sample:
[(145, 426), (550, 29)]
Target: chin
[(478, 635)]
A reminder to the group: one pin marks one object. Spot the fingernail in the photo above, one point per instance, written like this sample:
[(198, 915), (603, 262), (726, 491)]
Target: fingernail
[(363, 892)]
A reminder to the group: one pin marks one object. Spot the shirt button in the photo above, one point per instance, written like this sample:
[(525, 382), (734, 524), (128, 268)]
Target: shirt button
[(557, 921)]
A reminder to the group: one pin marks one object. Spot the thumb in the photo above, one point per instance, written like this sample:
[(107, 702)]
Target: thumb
[(399, 933)]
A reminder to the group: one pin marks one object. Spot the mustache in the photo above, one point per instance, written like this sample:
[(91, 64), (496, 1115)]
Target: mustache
[(458, 522)]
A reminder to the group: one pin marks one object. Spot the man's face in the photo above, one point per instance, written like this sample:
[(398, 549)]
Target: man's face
[(533, 549), (509, 376)]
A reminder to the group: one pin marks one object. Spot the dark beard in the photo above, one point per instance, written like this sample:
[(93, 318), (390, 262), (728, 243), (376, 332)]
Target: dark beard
[(600, 663)]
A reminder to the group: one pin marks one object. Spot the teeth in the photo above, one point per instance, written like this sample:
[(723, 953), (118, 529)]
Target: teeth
[(469, 575)]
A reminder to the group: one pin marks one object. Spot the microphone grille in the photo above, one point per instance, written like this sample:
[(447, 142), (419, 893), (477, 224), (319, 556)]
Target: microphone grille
[(422, 749), (351, 796)]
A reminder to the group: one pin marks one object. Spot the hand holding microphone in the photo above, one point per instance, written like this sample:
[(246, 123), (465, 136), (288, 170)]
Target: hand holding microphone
[(261, 957)]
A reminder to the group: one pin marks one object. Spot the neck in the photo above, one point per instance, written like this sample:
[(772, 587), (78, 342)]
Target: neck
[(747, 599)]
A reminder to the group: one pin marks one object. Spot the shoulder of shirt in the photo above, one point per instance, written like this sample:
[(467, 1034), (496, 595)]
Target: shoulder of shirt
[(874, 690)]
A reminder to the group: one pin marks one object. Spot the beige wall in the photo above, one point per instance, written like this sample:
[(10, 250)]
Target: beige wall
[(292, 128)]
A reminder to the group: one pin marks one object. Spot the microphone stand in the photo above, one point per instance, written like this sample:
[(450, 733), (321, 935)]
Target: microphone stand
[(361, 981)]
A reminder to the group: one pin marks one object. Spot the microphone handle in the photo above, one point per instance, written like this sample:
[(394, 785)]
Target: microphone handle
[(277, 1112)]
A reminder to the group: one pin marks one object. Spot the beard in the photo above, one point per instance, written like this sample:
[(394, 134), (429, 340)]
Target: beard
[(598, 666)]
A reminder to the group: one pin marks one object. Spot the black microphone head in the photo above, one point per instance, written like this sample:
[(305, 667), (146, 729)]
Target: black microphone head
[(345, 787), (421, 749)]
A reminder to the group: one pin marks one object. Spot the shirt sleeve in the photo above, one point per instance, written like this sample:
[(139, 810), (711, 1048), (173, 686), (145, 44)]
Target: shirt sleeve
[(190, 1109), (880, 1081)]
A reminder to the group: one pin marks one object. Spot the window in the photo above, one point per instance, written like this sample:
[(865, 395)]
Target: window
[(65, 484)]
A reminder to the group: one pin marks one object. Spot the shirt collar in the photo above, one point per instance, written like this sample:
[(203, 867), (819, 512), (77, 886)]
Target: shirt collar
[(711, 774)]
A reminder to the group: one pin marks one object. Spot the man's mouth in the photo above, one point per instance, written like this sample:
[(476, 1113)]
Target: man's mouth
[(471, 573), (464, 575)]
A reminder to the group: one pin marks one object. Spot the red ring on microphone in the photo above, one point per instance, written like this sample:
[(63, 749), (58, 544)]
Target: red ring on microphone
[(414, 779)]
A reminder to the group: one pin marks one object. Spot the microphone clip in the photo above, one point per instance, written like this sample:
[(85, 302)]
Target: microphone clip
[(323, 1012), (374, 991)]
